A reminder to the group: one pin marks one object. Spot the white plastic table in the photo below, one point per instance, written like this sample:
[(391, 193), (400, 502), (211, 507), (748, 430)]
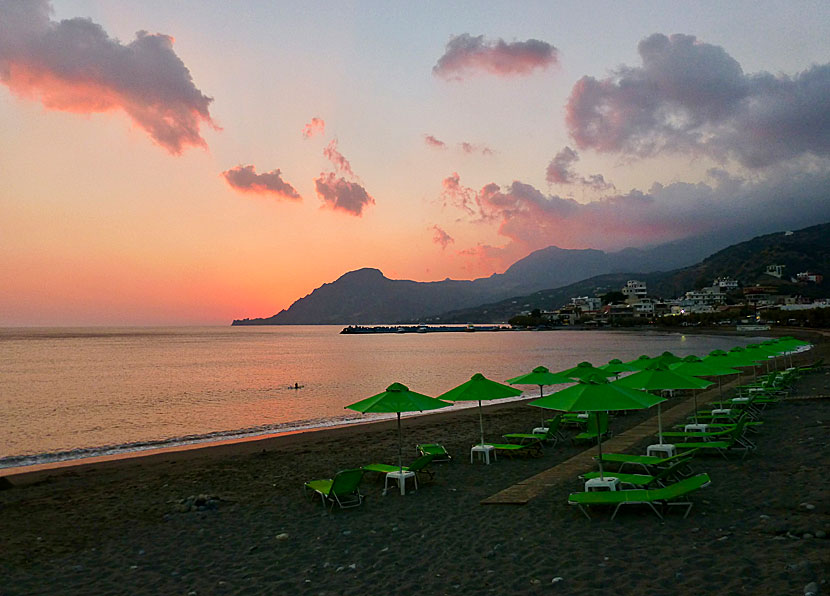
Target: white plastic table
[(696, 428), (607, 483), (483, 452), (661, 450), (400, 477)]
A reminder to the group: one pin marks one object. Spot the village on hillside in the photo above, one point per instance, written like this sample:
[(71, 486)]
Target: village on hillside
[(726, 301)]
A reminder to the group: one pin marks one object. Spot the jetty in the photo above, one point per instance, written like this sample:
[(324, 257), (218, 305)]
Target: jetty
[(470, 328)]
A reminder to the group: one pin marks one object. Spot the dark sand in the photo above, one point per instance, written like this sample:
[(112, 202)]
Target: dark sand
[(128, 527)]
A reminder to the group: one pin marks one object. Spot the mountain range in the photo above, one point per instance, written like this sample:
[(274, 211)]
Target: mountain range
[(803, 250), (547, 278)]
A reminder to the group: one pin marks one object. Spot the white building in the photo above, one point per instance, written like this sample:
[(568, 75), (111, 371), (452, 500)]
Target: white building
[(586, 303), (775, 271), (634, 290), (726, 284)]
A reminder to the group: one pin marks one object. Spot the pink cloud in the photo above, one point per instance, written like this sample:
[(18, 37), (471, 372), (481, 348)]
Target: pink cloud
[(340, 163), (441, 237), (528, 220), (433, 142), (693, 97), (340, 194), (316, 126), (74, 66), (245, 179), (456, 195), (466, 55)]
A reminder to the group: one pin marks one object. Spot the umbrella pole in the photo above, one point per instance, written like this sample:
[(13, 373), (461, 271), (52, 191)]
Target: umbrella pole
[(400, 448), (694, 399), (541, 411), (599, 445), (481, 422), (659, 426)]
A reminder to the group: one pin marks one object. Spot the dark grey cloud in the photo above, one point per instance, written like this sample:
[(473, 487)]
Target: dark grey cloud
[(74, 66), (560, 171), (690, 96), (528, 219), (245, 179), (466, 55)]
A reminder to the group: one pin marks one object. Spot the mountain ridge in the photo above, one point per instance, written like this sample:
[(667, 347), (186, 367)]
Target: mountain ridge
[(807, 249), (366, 296)]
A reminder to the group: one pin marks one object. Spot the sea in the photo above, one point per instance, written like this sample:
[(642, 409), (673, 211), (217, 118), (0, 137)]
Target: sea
[(73, 393)]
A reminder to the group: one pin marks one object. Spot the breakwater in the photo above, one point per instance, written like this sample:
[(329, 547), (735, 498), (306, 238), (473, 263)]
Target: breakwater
[(360, 329)]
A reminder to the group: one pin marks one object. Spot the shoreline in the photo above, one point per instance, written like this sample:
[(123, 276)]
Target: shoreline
[(254, 442)]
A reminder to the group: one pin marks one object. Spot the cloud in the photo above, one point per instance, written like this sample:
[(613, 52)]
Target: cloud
[(314, 127), (528, 219), (464, 146), (340, 194), (560, 171), (469, 148), (441, 238), (690, 96), (245, 179), (340, 163), (458, 196), (467, 55), (433, 142), (74, 66)]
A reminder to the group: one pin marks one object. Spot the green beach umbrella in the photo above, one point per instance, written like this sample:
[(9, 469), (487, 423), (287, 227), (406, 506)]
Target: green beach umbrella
[(763, 353), (397, 398), (540, 376), (584, 370), (668, 358), (479, 388), (617, 366), (739, 353), (640, 362), (658, 377), (693, 366), (596, 394), (788, 345)]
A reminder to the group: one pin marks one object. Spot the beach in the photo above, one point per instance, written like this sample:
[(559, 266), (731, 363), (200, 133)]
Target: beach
[(233, 519)]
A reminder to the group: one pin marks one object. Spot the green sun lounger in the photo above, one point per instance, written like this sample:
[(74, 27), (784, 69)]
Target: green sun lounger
[(419, 466), (664, 497), (440, 453), (594, 430), (343, 490), (672, 473), (551, 435), (734, 441), (532, 448), (651, 464)]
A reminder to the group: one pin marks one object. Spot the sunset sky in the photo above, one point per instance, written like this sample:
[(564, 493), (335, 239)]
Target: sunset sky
[(193, 162)]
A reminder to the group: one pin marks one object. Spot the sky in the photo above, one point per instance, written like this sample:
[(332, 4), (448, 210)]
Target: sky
[(193, 162)]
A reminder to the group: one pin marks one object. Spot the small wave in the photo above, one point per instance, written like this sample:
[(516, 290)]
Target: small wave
[(32, 459), (81, 453)]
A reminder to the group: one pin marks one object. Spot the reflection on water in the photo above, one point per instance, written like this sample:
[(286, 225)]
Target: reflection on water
[(64, 389)]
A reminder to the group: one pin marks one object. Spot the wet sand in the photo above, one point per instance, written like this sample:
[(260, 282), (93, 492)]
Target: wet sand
[(143, 526)]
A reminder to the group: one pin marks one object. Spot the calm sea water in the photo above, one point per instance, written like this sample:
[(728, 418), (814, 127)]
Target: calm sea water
[(71, 393)]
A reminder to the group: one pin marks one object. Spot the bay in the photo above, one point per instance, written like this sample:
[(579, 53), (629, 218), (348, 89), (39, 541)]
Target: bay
[(72, 393)]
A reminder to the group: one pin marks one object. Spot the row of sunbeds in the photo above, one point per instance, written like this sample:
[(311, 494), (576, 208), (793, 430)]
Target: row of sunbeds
[(667, 482)]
